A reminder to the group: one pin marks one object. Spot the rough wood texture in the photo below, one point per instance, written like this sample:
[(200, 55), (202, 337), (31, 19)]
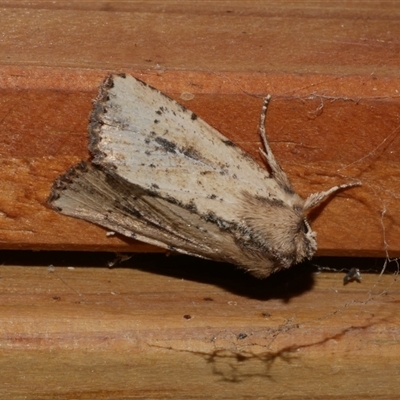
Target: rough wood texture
[(189, 329), (332, 70)]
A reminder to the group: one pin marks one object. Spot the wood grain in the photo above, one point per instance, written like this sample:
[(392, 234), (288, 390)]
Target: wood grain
[(332, 70), (182, 328), (175, 327)]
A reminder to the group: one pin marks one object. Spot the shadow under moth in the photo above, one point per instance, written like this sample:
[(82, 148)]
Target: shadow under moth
[(161, 175)]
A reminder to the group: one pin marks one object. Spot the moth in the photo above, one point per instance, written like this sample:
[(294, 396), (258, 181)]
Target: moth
[(161, 175)]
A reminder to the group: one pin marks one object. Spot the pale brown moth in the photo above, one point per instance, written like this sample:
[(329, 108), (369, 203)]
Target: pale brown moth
[(163, 176)]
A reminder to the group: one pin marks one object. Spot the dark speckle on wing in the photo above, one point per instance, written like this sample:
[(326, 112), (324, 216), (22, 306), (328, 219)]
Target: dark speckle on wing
[(228, 143), (167, 145), (192, 153)]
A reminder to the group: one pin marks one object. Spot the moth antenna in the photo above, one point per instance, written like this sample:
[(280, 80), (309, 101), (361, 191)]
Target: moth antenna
[(316, 198), (276, 169)]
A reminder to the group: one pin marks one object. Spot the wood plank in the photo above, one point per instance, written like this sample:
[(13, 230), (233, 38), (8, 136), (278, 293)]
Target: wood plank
[(57, 121), (178, 328), (331, 38), (331, 68)]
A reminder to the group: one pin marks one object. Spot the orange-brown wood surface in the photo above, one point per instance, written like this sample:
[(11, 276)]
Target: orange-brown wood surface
[(332, 69)]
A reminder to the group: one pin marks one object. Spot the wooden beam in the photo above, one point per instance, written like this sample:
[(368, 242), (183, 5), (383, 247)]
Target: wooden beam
[(182, 328), (332, 72)]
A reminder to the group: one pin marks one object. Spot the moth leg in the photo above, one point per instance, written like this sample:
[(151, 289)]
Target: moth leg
[(276, 169)]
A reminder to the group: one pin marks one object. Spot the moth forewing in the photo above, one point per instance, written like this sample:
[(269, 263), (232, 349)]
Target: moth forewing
[(163, 176)]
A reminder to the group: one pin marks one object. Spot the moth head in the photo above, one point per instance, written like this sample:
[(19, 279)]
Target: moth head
[(306, 241)]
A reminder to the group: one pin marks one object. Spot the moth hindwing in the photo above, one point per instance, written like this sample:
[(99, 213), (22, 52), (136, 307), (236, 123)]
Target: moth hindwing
[(163, 176)]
